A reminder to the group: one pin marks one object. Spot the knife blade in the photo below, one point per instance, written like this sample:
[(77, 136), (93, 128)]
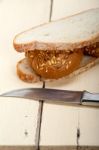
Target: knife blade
[(56, 95)]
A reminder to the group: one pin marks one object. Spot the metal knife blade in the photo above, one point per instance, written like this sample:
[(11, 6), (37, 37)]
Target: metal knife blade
[(55, 95)]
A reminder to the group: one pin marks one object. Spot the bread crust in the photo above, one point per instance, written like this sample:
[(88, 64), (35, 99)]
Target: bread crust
[(27, 77), (35, 45)]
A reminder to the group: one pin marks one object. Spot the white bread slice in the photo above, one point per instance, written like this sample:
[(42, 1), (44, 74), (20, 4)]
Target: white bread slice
[(25, 72), (65, 34)]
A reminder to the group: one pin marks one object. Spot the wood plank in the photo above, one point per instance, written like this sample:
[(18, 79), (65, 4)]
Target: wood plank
[(69, 7), (59, 125), (89, 126), (49, 148), (17, 148), (58, 147), (69, 148), (18, 121), (18, 118), (17, 16)]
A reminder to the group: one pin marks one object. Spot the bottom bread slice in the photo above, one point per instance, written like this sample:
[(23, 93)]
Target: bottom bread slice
[(25, 72)]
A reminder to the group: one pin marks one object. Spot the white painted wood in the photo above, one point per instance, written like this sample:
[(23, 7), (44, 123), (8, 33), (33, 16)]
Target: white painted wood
[(69, 7), (89, 126), (18, 121), (18, 117), (17, 16), (59, 125)]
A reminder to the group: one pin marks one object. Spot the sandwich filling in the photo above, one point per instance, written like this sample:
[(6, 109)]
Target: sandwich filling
[(54, 64), (92, 50)]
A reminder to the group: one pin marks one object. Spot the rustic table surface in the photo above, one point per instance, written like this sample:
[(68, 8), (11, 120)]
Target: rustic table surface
[(62, 127)]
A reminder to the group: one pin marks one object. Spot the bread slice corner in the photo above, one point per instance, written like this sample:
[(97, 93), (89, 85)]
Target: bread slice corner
[(25, 72)]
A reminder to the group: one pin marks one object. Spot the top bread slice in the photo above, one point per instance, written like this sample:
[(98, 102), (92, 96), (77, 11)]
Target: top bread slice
[(69, 33)]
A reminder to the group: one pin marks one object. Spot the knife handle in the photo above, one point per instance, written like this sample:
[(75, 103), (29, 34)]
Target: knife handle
[(90, 99)]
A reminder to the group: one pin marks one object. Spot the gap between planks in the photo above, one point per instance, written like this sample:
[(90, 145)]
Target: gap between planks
[(40, 110)]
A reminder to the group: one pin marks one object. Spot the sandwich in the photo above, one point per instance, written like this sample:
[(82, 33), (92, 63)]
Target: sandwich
[(57, 49)]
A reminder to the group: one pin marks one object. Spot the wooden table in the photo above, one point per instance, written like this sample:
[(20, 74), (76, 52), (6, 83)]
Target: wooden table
[(62, 127)]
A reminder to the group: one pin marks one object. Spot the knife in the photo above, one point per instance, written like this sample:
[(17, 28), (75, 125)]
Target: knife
[(55, 95)]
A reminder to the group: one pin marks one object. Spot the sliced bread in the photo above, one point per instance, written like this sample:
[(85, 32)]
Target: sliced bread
[(25, 72), (69, 33)]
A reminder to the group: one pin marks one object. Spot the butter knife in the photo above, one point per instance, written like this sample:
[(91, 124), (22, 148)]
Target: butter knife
[(55, 95)]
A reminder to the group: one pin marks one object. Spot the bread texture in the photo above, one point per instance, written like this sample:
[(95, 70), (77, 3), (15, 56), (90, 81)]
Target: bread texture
[(69, 33), (25, 72)]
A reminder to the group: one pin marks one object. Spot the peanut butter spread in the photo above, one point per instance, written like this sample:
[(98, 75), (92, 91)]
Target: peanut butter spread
[(92, 50), (54, 64)]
